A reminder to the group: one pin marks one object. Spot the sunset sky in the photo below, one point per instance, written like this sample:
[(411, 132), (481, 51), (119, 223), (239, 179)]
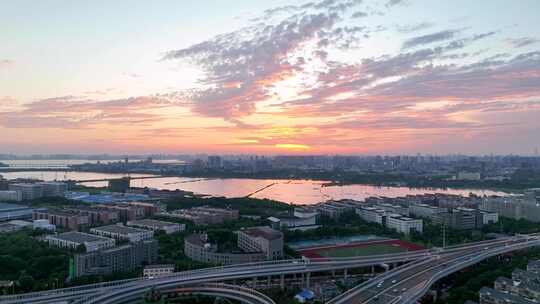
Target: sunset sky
[(270, 77)]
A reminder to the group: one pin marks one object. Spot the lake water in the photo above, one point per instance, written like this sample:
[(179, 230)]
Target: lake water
[(289, 191)]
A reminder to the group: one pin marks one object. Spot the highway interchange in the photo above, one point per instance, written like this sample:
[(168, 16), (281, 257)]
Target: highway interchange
[(404, 284)]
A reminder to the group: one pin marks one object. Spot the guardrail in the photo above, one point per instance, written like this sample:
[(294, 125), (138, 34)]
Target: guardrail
[(473, 260), (310, 265), (246, 295), (372, 282)]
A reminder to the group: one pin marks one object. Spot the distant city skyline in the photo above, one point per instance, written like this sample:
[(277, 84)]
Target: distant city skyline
[(273, 77)]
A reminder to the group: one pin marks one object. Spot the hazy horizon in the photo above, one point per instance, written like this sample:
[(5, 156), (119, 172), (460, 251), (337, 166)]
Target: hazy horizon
[(322, 77)]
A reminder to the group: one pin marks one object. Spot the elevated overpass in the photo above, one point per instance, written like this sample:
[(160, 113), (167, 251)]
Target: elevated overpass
[(412, 280), (214, 274), (233, 292)]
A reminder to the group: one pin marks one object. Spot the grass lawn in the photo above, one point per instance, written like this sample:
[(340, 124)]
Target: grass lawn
[(358, 251)]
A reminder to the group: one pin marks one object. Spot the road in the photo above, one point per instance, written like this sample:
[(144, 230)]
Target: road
[(410, 279), (233, 292), (409, 282)]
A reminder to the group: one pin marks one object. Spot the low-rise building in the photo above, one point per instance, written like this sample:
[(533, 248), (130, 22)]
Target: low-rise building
[(493, 296), (150, 209), (527, 289), (487, 217), (43, 224), (371, 214), (74, 239), (334, 209), (14, 212), (7, 227), (425, 210), (28, 191), (463, 175), (126, 212), (198, 248), (403, 224), (160, 270), (61, 218), (534, 267), (394, 208), (204, 215), (121, 232), (301, 219), (516, 207), (116, 259), (52, 189), (156, 225), (97, 215), (261, 239), (10, 196)]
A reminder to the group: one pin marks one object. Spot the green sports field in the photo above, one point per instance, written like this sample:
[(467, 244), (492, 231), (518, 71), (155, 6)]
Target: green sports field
[(359, 251)]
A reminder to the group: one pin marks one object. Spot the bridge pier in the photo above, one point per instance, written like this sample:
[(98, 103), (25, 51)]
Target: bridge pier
[(282, 281), (269, 281), (345, 273), (254, 283), (308, 275), (372, 269), (333, 272)]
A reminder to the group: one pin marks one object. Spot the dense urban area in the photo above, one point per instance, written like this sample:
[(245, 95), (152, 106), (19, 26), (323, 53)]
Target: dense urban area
[(62, 233)]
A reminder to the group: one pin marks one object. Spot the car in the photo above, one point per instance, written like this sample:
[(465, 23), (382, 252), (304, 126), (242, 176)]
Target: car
[(395, 290), (394, 281), (486, 248), (403, 289)]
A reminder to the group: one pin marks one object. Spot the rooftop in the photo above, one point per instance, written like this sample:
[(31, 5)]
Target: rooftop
[(263, 232), (79, 237), (158, 266), (120, 229), (195, 239), (502, 296), (26, 185), (150, 222), (6, 207)]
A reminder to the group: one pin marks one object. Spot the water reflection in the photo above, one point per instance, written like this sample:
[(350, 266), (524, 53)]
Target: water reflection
[(289, 191)]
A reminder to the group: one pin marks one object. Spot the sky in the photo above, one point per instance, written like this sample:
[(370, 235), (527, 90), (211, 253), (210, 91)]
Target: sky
[(270, 77)]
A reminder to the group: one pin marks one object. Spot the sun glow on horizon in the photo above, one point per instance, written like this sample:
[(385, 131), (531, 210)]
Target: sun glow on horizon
[(293, 147)]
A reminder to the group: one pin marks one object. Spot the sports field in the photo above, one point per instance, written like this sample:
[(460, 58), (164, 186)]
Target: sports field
[(360, 249)]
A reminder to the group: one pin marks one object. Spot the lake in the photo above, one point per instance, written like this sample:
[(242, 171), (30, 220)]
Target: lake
[(289, 191)]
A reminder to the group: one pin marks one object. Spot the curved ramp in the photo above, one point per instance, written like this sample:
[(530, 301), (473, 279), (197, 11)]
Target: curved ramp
[(242, 294)]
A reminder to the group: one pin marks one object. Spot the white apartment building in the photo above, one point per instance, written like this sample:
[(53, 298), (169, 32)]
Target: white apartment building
[(371, 214), (403, 224), (74, 239), (261, 239), (155, 225), (489, 217), (393, 208), (28, 191), (425, 210), (51, 189), (122, 232), (15, 196), (154, 271)]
